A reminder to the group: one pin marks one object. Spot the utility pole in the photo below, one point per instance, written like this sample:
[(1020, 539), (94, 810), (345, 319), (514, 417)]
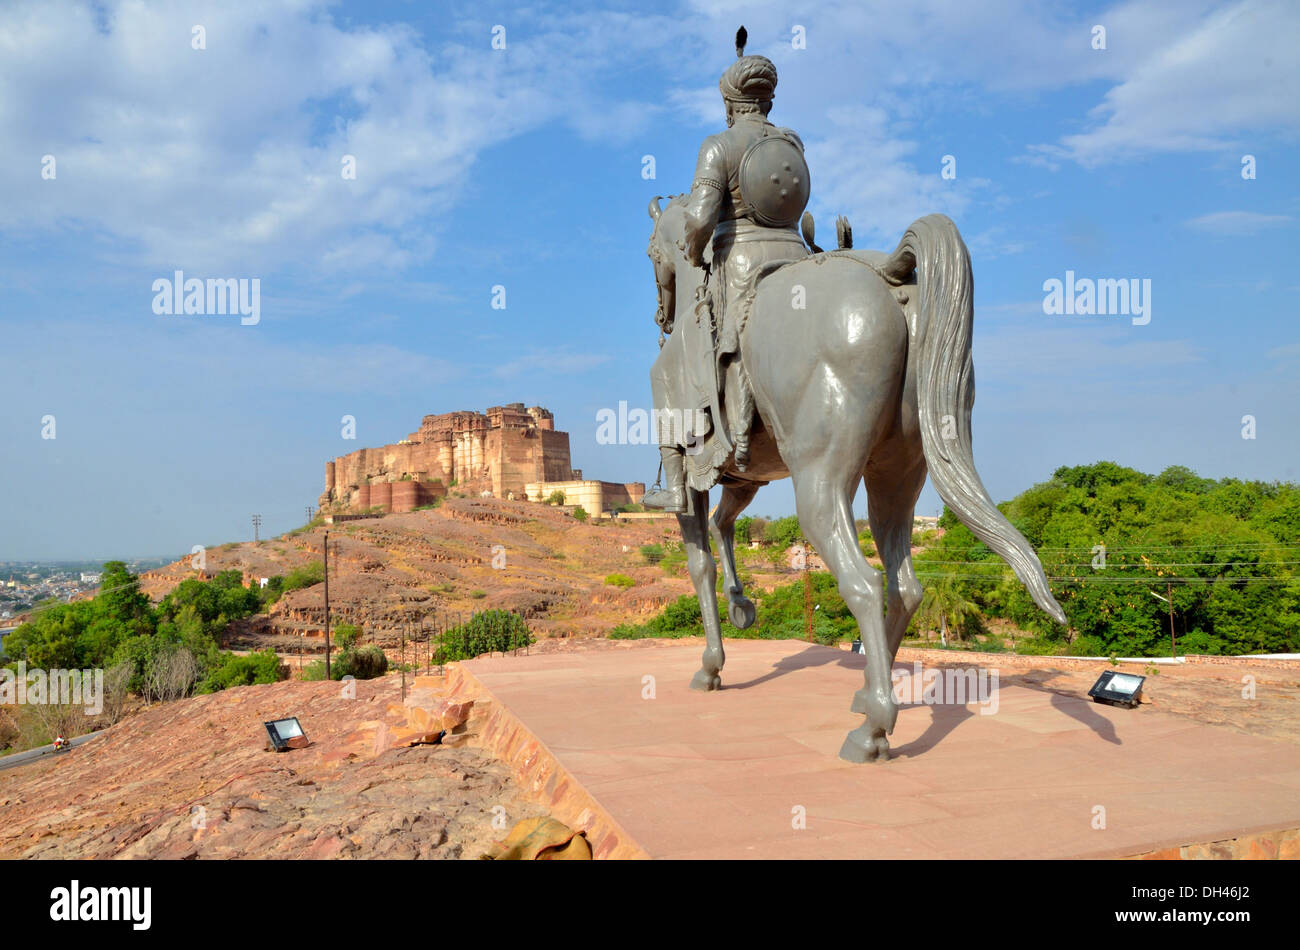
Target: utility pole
[(311, 513), (1169, 589), (807, 594), (327, 605), (257, 523)]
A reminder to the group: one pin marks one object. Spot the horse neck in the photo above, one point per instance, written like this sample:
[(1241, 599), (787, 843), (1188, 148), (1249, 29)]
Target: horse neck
[(688, 280)]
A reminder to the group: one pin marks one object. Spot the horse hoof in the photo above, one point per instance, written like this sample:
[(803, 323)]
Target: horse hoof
[(861, 746), (706, 682), (883, 713), (741, 613)]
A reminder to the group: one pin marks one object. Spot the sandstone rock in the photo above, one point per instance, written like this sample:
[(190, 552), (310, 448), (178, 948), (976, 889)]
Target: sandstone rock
[(191, 780)]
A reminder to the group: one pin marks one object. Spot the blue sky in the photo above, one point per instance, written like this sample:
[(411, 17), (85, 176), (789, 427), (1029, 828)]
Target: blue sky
[(522, 167)]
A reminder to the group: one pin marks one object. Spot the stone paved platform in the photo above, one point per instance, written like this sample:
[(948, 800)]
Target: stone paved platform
[(724, 775)]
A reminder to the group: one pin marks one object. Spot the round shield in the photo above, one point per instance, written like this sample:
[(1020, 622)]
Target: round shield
[(774, 181)]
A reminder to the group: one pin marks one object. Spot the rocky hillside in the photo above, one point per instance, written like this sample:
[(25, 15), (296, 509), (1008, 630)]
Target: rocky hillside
[(193, 779), (465, 555)]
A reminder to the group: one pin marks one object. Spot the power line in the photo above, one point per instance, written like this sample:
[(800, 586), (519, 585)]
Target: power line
[(1147, 581), (1145, 565), (1185, 546)]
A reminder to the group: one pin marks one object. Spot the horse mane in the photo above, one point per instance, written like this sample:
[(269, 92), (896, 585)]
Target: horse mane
[(673, 201)]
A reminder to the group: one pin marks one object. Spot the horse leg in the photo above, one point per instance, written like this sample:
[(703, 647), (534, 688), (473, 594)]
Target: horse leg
[(704, 575), (891, 506), (825, 505), (722, 526)]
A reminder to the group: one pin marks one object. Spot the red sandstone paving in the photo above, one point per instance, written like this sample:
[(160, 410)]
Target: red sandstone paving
[(133, 792), (1200, 692), (716, 775)]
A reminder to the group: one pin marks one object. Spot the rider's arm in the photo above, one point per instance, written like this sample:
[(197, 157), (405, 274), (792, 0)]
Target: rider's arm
[(707, 192), (790, 133)]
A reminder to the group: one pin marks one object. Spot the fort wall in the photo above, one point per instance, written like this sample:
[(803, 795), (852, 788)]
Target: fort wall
[(498, 452), (591, 495)]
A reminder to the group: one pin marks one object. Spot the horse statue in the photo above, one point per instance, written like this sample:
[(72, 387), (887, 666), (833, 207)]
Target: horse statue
[(872, 382)]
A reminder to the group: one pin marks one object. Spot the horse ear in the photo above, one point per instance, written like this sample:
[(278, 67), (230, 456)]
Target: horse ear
[(654, 208)]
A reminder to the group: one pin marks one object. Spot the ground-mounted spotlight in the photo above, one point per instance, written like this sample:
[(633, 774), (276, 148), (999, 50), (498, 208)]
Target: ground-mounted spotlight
[(286, 734), (1117, 689)]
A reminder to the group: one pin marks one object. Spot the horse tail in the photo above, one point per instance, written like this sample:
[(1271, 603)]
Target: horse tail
[(946, 392)]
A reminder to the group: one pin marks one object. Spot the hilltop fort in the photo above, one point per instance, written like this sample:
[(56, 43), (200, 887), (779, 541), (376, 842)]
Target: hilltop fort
[(507, 452)]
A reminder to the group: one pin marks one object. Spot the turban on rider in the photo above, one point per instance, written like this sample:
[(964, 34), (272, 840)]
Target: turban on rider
[(749, 79)]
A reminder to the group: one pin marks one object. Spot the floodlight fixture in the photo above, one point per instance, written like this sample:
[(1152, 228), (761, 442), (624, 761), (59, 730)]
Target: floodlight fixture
[(286, 734), (1117, 689)]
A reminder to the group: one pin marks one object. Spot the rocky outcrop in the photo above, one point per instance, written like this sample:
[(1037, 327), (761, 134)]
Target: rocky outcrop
[(194, 779)]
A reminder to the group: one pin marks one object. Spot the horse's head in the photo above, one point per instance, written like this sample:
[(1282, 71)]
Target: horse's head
[(667, 254), (664, 259)]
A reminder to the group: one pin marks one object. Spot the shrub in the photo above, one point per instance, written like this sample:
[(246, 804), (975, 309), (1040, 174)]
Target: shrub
[(489, 631), (619, 580), (867, 544), (783, 532), (315, 522), (365, 664), (673, 563), (580, 513), (1038, 646), (652, 553), (298, 578), (345, 636), (1088, 646), (478, 594), (236, 670), (556, 498), (313, 671), (781, 616)]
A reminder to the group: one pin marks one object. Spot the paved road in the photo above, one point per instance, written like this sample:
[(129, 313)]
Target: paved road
[(31, 755)]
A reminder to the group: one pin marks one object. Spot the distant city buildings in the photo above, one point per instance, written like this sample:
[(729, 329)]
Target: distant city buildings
[(24, 584)]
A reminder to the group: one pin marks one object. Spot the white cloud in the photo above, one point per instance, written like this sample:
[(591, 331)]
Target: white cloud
[(228, 160), (1237, 223), (554, 362), (864, 170), (1202, 84)]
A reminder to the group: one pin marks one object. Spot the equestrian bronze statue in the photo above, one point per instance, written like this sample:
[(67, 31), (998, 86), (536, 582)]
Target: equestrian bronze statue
[(828, 367)]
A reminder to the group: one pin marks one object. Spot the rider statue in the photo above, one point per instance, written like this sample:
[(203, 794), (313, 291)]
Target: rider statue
[(750, 187)]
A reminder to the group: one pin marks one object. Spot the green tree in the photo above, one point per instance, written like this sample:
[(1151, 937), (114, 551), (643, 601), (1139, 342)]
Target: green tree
[(944, 607)]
